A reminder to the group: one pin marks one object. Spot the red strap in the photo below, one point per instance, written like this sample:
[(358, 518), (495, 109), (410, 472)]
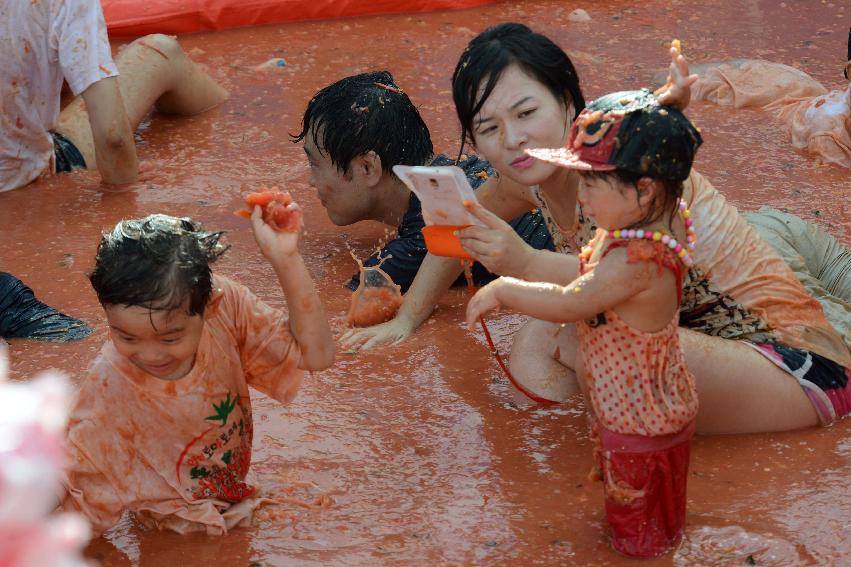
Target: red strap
[(471, 289)]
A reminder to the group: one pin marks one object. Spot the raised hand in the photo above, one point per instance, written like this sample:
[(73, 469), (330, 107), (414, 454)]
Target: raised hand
[(275, 245), (676, 91)]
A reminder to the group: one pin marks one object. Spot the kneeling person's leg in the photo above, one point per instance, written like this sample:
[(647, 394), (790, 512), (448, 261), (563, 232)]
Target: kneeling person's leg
[(154, 71), (740, 390), (543, 358)]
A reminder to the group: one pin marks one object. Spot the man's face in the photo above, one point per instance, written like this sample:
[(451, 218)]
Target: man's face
[(346, 199)]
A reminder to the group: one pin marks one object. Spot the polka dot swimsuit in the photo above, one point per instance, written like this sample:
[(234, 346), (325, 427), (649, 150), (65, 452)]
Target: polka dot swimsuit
[(637, 381)]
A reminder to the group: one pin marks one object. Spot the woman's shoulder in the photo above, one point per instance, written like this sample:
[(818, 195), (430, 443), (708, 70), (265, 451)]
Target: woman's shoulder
[(716, 221)]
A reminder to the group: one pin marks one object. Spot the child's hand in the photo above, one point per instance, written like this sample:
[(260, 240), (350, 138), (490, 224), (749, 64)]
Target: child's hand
[(275, 245), (676, 91), (486, 299)]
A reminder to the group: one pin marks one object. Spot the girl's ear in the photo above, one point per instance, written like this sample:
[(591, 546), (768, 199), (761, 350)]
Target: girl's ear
[(647, 190)]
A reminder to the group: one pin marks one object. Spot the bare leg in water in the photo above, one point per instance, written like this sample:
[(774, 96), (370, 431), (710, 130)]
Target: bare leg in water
[(154, 72), (740, 391)]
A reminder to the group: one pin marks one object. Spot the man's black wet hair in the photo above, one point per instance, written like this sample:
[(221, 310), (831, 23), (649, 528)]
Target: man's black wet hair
[(158, 262), (363, 113), (491, 52)]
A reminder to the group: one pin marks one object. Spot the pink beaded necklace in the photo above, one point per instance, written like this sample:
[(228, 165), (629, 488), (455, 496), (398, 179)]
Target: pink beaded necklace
[(665, 238)]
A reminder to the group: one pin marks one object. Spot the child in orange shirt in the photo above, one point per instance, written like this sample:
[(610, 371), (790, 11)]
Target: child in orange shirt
[(162, 426), (633, 156)]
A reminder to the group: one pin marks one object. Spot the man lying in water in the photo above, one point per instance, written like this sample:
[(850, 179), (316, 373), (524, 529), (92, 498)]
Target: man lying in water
[(354, 131)]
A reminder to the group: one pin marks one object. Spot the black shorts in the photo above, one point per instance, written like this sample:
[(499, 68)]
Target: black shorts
[(68, 157)]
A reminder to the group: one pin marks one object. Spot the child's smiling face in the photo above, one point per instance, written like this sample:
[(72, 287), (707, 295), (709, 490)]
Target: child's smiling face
[(163, 343)]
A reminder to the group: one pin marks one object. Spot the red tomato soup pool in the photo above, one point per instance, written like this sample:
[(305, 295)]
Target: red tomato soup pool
[(426, 454)]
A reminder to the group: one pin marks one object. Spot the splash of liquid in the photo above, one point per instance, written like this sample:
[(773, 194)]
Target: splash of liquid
[(377, 298)]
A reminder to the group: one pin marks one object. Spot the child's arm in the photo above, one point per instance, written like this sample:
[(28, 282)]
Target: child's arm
[(115, 148), (613, 282), (308, 321)]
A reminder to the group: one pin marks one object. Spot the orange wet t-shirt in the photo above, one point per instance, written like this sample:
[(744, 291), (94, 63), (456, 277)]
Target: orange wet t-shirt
[(177, 453)]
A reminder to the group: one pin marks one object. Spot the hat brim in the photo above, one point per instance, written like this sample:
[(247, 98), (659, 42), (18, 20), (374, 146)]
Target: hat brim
[(564, 157)]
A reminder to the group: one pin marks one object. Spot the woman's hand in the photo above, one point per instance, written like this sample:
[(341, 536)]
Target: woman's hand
[(676, 91), (486, 299), (393, 331), (275, 245), (496, 246)]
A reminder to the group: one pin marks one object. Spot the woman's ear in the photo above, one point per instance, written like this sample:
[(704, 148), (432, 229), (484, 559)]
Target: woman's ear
[(213, 303)]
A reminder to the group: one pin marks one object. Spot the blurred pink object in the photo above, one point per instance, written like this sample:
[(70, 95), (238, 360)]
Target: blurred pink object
[(33, 415)]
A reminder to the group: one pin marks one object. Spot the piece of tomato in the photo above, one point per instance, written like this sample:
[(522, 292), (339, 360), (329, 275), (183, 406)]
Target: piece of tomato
[(266, 197), (279, 210)]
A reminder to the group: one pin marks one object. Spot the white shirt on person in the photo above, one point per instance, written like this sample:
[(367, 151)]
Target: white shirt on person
[(43, 42)]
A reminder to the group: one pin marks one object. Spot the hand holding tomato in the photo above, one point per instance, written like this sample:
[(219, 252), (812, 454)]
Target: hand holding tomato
[(278, 210), (276, 245), (276, 221)]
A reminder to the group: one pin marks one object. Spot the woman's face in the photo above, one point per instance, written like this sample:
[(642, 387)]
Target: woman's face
[(519, 114)]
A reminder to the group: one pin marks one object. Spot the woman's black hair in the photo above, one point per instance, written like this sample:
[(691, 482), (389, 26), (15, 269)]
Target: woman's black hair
[(158, 262), (363, 113), (495, 49)]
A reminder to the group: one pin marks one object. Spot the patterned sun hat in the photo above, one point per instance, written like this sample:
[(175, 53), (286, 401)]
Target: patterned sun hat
[(629, 131)]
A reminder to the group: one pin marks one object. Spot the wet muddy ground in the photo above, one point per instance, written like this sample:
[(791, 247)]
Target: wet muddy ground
[(429, 457)]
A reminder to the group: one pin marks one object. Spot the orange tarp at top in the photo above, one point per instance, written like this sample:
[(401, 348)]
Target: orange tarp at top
[(139, 17)]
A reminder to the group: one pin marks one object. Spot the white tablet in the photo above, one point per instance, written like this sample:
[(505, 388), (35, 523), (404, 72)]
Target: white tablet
[(442, 191)]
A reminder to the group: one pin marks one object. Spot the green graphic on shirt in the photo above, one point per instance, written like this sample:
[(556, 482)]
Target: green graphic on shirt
[(221, 479), (198, 472), (223, 410)]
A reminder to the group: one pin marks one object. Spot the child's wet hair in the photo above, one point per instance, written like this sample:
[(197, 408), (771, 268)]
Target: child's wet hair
[(363, 113), (491, 52), (158, 262)]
